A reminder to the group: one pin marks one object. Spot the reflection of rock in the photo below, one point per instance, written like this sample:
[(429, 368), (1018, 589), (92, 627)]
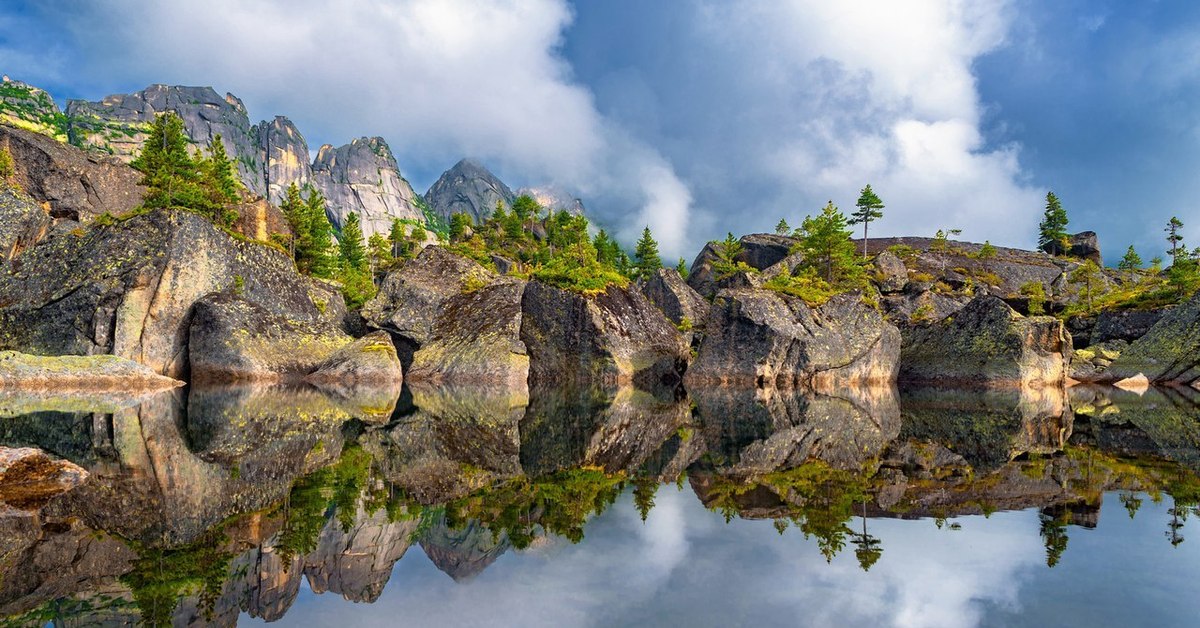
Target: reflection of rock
[(751, 432), (356, 563), (464, 553), (557, 428), (1168, 353), (29, 478), (1160, 421), (987, 344), (632, 428), (989, 427), (762, 338), (72, 372)]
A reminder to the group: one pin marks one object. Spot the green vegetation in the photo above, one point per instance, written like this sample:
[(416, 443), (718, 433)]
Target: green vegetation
[(159, 578), (31, 109), (552, 247), (869, 206), (782, 227), (1131, 262), (1037, 297), (1052, 231), (358, 285), (645, 255), (681, 268), (987, 251), (830, 264), (177, 179), (727, 264), (1091, 284), (6, 166), (312, 235), (1178, 250)]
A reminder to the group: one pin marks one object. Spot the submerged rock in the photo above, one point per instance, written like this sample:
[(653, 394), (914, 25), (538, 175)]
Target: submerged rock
[(987, 344), (84, 373), (1168, 353), (763, 338), (616, 337)]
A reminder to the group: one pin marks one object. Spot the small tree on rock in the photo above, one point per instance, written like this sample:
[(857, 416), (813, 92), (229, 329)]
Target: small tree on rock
[(827, 247), (1052, 232), (645, 255), (869, 206), (782, 227)]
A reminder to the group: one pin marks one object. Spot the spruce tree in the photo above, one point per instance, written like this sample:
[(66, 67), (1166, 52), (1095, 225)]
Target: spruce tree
[(1052, 231), (294, 210), (220, 176), (320, 235), (869, 206), (727, 251), (647, 261), (1131, 262), (170, 173), (782, 227), (682, 268), (827, 246), (352, 253), (459, 224)]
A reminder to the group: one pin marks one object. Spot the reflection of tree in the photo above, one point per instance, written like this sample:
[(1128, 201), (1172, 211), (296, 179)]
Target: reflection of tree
[(869, 549), (1179, 515), (1054, 535), (644, 489), (160, 577), (1131, 502)]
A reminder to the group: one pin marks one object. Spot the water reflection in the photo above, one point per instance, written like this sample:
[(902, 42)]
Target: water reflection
[(209, 505)]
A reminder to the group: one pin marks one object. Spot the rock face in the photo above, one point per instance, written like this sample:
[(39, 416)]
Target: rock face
[(1086, 245), (765, 339), (29, 477), (1127, 325), (286, 154), (22, 223), (368, 360), (617, 337), (119, 124), (667, 290), (987, 344), (84, 373), (1168, 353), (760, 251), (128, 289), (362, 178), (73, 185), (468, 188), (27, 107)]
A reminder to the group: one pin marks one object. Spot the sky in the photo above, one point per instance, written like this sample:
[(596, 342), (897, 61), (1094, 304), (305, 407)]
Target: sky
[(699, 117)]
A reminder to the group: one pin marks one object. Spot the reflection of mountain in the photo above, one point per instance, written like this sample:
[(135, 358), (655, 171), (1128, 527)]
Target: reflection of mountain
[(356, 562), (464, 553)]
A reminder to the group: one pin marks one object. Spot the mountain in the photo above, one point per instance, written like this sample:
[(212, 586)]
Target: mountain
[(362, 177), (467, 188), (27, 107), (554, 198)]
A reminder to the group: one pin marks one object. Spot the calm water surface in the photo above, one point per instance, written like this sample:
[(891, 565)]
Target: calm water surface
[(609, 508)]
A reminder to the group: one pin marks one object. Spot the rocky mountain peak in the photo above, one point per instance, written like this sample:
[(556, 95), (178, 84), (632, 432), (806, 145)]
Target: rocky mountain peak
[(286, 154), (470, 188), (362, 177), (554, 198)]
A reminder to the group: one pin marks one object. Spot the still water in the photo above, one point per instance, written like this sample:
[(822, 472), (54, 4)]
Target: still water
[(609, 508)]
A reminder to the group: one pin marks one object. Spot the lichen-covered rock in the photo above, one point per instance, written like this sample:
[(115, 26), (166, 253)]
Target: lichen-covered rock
[(259, 220), (362, 178), (920, 306), (476, 339), (128, 289), (616, 337), (1168, 353), (893, 274), (367, 360), (82, 373), (29, 477), (760, 251), (987, 343), (27, 107), (763, 338), (411, 296), (470, 189), (73, 184), (667, 290), (22, 223)]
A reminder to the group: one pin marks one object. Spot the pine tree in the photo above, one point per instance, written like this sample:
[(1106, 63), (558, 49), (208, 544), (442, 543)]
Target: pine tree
[(396, 237), (782, 227), (1091, 281), (294, 210), (170, 172), (352, 253), (379, 252), (827, 247), (1174, 237), (987, 251), (682, 268), (645, 254), (6, 165), (1052, 232), (1131, 262), (460, 223), (727, 253), (320, 235), (220, 176), (869, 206)]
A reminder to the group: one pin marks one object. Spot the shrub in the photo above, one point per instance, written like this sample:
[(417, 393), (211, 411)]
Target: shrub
[(1037, 297)]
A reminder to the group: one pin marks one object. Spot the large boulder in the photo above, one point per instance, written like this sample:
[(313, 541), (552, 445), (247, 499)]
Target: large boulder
[(763, 338), (1127, 325), (760, 251), (667, 290), (73, 184), (475, 338), (987, 343), (615, 337), (29, 477), (128, 288), (1084, 245), (410, 297), (468, 188), (22, 223), (362, 178), (82, 373), (1168, 353), (368, 360), (892, 273)]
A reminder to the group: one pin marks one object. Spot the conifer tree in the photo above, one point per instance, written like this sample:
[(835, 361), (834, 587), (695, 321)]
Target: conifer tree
[(645, 255), (352, 253), (682, 268), (727, 252), (1052, 231), (1091, 281), (294, 210), (782, 227), (827, 246), (1173, 236), (869, 206), (219, 173), (320, 235), (1131, 262), (396, 237), (170, 172), (459, 224), (6, 165)]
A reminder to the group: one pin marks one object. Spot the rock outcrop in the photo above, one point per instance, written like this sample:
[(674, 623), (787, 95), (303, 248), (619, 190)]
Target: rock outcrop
[(128, 289), (22, 223), (362, 178), (81, 373), (370, 360), (554, 198), (763, 338), (468, 188), (285, 153), (667, 290), (27, 107), (616, 337), (1169, 353), (987, 343), (72, 184), (760, 251)]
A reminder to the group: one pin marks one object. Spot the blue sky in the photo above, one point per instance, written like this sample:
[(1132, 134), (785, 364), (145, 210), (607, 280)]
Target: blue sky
[(700, 117)]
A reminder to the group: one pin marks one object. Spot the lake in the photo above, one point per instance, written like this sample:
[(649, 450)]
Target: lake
[(608, 508)]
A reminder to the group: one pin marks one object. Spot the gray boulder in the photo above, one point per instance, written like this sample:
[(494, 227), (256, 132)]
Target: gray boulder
[(78, 373), (468, 188), (667, 290), (760, 251), (362, 178), (766, 339), (987, 344), (1127, 325), (370, 360), (1168, 353), (893, 274)]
